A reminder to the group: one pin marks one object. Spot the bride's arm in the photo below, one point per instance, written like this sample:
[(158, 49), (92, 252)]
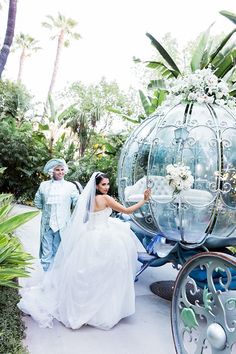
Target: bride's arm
[(112, 203)]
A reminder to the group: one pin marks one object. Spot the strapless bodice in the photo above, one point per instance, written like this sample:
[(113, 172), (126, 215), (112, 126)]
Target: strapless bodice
[(101, 216)]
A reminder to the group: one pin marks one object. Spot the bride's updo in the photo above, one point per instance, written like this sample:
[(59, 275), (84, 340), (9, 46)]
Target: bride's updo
[(99, 177)]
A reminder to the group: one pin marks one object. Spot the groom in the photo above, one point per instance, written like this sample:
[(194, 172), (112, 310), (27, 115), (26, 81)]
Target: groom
[(55, 198)]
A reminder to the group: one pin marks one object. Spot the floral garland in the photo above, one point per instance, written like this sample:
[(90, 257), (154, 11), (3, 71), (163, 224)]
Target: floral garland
[(179, 177), (202, 86)]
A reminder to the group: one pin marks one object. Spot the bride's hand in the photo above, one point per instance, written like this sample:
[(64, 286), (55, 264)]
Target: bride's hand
[(147, 194)]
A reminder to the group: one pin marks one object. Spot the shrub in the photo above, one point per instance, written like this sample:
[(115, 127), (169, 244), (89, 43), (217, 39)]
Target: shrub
[(14, 100), (24, 154), (11, 325), (13, 264), (102, 155)]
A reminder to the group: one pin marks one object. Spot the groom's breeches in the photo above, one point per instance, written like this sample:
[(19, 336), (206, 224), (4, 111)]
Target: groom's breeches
[(49, 245)]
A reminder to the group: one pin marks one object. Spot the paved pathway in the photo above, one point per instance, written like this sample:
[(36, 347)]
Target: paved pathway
[(148, 331)]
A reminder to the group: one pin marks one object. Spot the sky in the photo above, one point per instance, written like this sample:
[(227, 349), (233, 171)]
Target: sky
[(113, 32)]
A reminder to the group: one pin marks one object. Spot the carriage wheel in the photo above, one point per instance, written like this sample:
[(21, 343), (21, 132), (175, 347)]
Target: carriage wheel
[(203, 313)]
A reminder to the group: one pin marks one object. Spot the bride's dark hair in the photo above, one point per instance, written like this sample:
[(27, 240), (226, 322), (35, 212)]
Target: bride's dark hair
[(98, 179)]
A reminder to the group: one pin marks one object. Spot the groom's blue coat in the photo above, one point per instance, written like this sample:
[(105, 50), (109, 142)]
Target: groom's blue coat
[(63, 209)]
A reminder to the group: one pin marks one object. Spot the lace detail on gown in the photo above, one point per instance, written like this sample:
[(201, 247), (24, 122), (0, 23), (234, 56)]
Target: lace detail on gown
[(95, 286)]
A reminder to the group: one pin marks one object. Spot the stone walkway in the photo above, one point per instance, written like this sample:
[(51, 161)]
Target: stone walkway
[(148, 331)]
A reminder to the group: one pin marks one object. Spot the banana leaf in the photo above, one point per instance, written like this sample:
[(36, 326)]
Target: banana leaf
[(217, 60), (226, 64), (159, 98), (230, 15), (198, 54), (164, 54), (221, 46), (162, 69), (157, 84), (145, 102)]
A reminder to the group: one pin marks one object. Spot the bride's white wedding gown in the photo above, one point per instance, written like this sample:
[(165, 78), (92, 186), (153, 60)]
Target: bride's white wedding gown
[(94, 284)]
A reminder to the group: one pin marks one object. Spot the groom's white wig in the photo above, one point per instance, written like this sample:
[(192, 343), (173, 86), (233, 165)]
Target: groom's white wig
[(51, 164)]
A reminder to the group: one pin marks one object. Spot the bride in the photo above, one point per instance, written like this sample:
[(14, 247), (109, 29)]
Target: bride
[(91, 280)]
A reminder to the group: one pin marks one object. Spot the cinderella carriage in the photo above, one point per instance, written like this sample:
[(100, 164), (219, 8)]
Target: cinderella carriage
[(187, 155)]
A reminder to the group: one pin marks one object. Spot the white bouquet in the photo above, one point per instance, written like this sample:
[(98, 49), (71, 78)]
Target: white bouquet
[(179, 177)]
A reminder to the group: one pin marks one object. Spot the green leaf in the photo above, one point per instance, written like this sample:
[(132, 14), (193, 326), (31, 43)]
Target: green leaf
[(160, 97), (221, 45), (163, 53), (200, 50), (226, 64), (52, 109), (4, 210), (15, 221), (43, 126), (145, 102), (232, 93), (110, 148), (230, 15), (162, 69), (157, 84), (9, 283), (5, 198), (2, 169)]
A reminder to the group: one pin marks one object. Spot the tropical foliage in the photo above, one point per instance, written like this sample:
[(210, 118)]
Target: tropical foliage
[(218, 57), (53, 127), (27, 141), (13, 260), (14, 101), (102, 155), (93, 110), (13, 264), (23, 153)]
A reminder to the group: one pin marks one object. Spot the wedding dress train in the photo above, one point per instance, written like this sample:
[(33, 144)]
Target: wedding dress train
[(94, 283)]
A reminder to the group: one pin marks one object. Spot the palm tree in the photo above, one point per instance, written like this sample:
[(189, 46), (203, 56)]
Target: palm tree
[(27, 45), (63, 28), (9, 34)]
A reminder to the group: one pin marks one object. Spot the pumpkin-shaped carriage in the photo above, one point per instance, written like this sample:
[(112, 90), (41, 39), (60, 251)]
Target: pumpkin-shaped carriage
[(187, 155)]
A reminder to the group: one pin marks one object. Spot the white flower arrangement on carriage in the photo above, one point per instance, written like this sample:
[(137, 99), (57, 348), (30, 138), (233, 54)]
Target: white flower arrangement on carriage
[(202, 86)]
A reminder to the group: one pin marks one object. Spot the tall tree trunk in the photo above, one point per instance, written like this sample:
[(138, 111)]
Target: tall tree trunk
[(9, 34), (21, 65), (60, 44)]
